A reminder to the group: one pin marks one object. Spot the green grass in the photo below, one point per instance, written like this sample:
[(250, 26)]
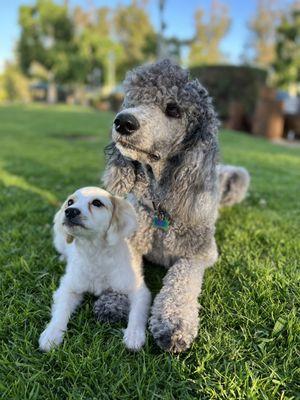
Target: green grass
[(249, 327)]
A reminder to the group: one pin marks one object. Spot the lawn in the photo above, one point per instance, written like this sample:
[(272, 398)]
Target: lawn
[(249, 330)]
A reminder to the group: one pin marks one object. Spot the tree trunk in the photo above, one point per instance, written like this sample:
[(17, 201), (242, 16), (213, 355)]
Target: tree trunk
[(52, 89), (51, 93)]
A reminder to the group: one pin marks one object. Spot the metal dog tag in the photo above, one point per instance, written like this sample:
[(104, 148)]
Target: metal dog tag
[(161, 221)]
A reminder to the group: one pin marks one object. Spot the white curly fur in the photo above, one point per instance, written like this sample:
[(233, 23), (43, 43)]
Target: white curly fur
[(98, 257)]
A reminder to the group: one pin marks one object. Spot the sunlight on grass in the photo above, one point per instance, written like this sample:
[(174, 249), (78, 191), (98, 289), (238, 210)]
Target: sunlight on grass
[(13, 180), (61, 108)]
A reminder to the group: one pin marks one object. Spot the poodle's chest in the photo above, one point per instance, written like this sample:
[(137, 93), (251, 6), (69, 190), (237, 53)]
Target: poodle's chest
[(162, 237), (157, 239), (165, 246), (161, 250)]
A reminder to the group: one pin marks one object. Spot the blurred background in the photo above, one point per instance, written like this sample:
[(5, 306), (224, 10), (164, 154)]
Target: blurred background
[(247, 54)]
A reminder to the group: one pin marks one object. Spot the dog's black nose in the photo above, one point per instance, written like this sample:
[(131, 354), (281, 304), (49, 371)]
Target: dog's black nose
[(126, 124), (72, 212)]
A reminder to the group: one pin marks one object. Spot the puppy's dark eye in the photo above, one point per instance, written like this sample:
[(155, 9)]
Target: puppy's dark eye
[(70, 202), (97, 203), (173, 110)]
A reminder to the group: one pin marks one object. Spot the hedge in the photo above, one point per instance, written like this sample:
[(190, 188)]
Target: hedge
[(228, 83)]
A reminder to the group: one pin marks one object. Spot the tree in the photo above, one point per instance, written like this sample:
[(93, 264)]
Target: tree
[(114, 40), (136, 35), (47, 34), (96, 44), (287, 49), (262, 26), (210, 30)]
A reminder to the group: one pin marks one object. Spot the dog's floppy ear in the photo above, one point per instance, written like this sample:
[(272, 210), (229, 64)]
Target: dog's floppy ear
[(59, 234), (123, 221), (190, 174)]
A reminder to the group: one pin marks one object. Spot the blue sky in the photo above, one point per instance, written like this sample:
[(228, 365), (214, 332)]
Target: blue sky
[(178, 16)]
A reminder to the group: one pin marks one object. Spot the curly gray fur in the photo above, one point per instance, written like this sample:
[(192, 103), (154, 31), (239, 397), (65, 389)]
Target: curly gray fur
[(233, 184), (112, 307), (173, 162)]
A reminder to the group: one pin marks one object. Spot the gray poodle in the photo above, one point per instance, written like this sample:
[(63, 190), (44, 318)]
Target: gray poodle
[(164, 156)]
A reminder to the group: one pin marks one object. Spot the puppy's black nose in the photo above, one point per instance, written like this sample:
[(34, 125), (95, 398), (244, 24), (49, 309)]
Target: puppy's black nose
[(126, 124), (72, 212)]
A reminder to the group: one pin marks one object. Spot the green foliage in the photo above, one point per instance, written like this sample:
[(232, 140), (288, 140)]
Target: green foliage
[(113, 40), (135, 34), (14, 86), (47, 34), (95, 44), (248, 340), (82, 46), (205, 48), (287, 62), (227, 83), (262, 27), (3, 95)]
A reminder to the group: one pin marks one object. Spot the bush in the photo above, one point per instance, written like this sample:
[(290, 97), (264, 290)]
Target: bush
[(227, 84), (110, 102), (115, 100), (14, 85), (3, 96)]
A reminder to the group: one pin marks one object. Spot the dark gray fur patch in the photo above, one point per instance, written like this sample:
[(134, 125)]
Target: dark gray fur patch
[(112, 307)]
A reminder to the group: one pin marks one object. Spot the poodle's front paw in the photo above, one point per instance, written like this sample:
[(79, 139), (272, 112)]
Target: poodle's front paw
[(175, 335), (51, 337), (134, 339)]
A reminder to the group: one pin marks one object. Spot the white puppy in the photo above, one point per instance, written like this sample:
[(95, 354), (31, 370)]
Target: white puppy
[(90, 232)]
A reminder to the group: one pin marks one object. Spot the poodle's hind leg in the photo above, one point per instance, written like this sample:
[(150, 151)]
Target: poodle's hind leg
[(112, 306), (233, 184)]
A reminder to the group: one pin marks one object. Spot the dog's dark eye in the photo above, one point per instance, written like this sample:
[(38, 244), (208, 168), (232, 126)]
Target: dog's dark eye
[(173, 110), (70, 202), (97, 203)]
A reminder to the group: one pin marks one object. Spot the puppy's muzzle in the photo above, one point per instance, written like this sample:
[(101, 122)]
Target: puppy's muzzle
[(72, 217), (126, 124), (72, 213)]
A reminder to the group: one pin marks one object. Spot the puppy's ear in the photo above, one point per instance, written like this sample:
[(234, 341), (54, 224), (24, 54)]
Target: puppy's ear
[(60, 236), (123, 221)]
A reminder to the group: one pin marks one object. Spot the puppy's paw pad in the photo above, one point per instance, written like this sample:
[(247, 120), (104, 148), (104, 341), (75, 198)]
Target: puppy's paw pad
[(134, 339), (51, 337)]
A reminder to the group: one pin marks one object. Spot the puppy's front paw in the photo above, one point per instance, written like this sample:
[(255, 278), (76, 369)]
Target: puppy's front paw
[(51, 337), (134, 339)]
